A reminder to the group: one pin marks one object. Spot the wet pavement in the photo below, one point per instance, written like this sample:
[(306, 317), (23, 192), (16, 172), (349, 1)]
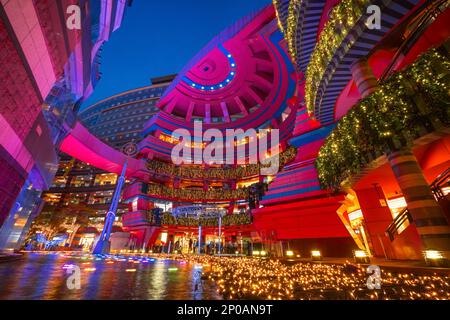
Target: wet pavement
[(54, 276)]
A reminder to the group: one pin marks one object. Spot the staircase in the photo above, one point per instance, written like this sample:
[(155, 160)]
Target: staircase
[(438, 187)]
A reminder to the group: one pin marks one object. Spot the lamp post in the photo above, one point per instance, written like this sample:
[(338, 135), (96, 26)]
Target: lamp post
[(103, 245), (220, 233), (199, 239)]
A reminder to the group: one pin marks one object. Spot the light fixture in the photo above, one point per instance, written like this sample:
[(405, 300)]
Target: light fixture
[(256, 253), (263, 253), (316, 255), (289, 253), (435, 258), (433, 254), (361, 256)]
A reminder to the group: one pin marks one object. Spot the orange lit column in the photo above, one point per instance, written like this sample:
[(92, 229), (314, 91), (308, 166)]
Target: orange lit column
[(428, 216), (377, 217)]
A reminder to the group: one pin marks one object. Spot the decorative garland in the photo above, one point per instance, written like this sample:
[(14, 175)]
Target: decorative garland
[(239, 172), (291, 28), (280, 23), (408, 105), (197, 195), (227, 220), (343, 18)]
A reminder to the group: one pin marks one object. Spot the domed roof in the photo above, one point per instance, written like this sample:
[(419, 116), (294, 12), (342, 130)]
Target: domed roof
[(234, 76)]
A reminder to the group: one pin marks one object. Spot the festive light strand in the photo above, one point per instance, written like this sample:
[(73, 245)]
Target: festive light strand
[(343, 18), (408, 105)]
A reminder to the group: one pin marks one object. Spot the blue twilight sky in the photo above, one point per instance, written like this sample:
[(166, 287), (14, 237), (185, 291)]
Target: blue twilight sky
[(158, 37)]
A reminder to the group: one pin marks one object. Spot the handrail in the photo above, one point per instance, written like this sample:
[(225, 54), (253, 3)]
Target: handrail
[(436, 188), (438, 183), (392, 230), (424, 20)]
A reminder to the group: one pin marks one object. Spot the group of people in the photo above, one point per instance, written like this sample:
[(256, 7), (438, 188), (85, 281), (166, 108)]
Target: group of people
[(209, 248)]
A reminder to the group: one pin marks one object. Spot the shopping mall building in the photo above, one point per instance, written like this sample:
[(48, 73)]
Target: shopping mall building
[(354, 106)]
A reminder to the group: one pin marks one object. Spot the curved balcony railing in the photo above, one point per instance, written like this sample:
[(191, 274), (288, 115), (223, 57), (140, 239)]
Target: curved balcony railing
[(299, 21), (168, 169), (164, 192), (407, 106), (227, 220), (345, 39)]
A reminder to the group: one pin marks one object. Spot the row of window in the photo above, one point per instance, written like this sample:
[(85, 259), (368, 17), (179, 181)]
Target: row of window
[(127, 98), (120, 137)]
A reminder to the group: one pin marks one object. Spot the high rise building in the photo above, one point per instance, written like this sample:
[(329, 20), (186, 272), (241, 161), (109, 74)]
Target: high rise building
[(116, 120)]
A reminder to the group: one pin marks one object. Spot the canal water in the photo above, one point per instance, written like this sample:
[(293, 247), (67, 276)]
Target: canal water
[(52, 276)]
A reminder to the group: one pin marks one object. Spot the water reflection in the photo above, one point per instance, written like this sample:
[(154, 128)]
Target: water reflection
[(44, 276)]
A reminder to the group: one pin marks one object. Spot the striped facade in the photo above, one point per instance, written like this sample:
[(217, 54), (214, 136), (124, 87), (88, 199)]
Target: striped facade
[(358, 44), (426, 213)]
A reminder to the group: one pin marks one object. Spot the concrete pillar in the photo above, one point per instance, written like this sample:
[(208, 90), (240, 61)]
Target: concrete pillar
[(364, 79), (428, 216)]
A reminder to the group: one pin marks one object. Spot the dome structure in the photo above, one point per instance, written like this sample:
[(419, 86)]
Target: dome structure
[(243, 79)]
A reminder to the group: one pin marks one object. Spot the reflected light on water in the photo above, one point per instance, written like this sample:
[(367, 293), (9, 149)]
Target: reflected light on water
[(44, 276)]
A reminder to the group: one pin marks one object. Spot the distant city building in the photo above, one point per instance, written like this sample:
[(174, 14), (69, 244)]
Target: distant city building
[(119, 119), (115, 120)]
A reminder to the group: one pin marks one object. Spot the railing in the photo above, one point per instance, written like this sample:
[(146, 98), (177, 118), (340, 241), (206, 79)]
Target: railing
[(227, 220), (443, 180), (196, 194), (393, 228), (190, 172), (429, 13)]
